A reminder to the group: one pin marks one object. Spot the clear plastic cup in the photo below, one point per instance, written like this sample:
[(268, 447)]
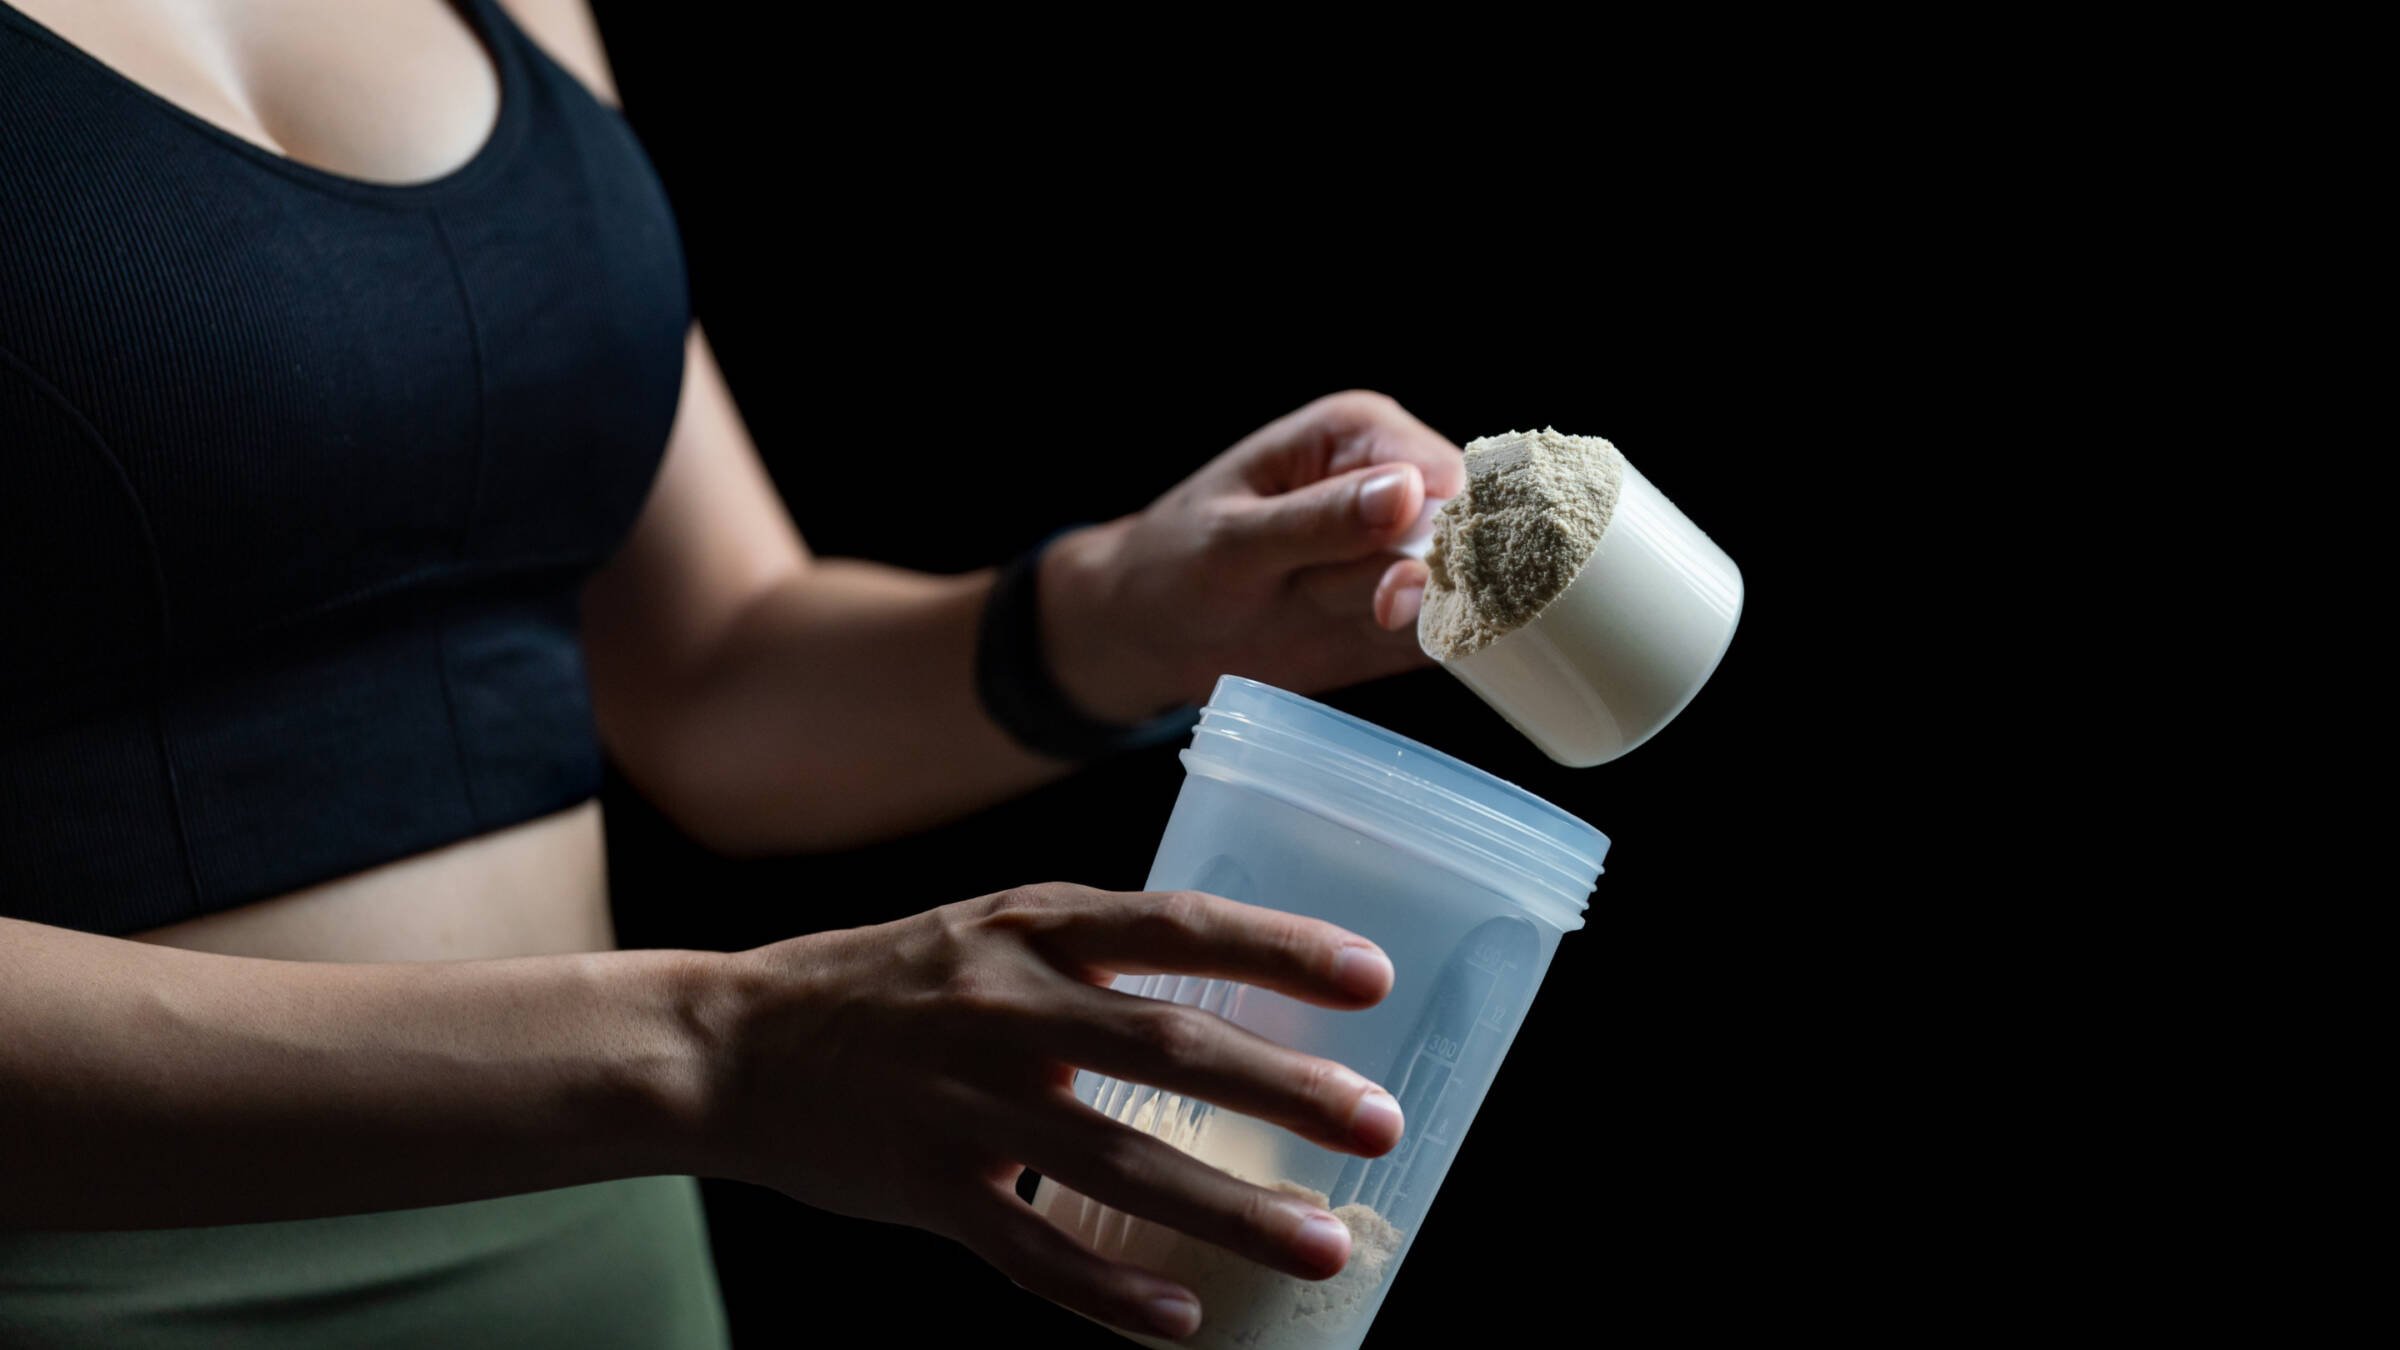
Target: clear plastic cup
[(1466, 882), (1625, 646)]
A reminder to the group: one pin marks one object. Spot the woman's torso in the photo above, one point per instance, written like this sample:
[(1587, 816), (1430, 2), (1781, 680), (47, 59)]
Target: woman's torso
[(401, 93), (401, 725)]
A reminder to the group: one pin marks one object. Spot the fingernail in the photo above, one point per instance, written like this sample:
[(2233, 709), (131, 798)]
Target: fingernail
[(1375, 1121), (1380, 498), (1405, 606), (1324, 1242), (1364, 971), (1172, 1315)]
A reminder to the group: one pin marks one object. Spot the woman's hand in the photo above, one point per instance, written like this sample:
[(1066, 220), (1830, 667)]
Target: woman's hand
[(910, 1072), (1273, 561)]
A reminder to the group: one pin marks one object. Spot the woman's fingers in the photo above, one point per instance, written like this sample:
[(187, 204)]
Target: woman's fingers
[(1384, 589), (1181, 1048), (1201, 1055), (1399, 595), (1340, 432), (1033, 1252), (1139, 1174), (1189, 933), (1342, 518)]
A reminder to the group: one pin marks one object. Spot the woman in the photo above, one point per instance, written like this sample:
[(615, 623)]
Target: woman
[(358, 463)]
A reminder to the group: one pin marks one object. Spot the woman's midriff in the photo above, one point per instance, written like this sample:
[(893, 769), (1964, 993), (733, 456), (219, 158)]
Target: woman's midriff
[(612, 1263), (534, 889)]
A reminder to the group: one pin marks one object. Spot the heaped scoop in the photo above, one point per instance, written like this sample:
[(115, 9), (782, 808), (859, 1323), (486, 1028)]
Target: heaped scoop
[(1628, 642)]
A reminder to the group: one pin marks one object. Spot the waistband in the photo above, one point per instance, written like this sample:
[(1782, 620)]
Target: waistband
[(619, 1263)]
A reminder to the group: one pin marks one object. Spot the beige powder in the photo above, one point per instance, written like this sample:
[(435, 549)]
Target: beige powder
[(1243, 1305), (1535, 506), (1247, 1306)]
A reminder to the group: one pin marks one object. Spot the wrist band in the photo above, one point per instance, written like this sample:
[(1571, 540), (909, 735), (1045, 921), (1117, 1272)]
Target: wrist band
[(1014, 681)]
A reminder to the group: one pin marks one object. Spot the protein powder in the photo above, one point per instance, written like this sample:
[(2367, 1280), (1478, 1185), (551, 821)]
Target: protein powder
[(1534, 508)]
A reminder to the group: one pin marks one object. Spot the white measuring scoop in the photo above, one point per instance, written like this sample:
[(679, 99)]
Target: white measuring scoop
[(1623, 649)]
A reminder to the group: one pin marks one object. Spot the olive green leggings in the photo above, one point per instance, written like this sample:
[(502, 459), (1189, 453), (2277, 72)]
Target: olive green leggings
[(620, 1263)]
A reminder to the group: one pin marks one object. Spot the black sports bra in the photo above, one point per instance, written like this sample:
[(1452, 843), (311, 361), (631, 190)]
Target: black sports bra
[(300, 476)]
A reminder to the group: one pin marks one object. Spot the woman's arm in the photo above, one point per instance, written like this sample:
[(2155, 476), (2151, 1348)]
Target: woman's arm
[(764, 699), (145, 1086), (768, 700), (907, 1072)]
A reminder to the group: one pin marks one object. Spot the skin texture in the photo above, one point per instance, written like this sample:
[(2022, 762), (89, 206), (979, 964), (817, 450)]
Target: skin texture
[(767, 700)]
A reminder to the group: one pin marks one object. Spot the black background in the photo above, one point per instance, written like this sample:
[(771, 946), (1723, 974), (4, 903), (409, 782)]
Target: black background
[(947, 342)]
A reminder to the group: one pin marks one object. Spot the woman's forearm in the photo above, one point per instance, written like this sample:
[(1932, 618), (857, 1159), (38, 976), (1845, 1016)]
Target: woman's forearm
[(841, 709), (145, 1086), (771, 701)]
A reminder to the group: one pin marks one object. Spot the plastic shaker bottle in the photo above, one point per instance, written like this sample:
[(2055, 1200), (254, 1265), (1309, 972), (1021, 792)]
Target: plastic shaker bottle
[(1467, 882)]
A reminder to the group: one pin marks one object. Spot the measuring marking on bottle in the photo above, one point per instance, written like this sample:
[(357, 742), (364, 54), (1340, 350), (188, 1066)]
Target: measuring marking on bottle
[(1448, 1060)]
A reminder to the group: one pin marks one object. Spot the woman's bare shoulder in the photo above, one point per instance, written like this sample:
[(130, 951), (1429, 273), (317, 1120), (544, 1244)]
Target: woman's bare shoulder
[(569, 33)]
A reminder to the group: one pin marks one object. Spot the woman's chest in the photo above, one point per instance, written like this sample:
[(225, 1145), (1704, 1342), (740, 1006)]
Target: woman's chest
[(235, 394), (391, 91)]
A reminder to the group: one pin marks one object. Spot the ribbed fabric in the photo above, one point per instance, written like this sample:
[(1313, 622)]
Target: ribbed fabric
[(299, 479)]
